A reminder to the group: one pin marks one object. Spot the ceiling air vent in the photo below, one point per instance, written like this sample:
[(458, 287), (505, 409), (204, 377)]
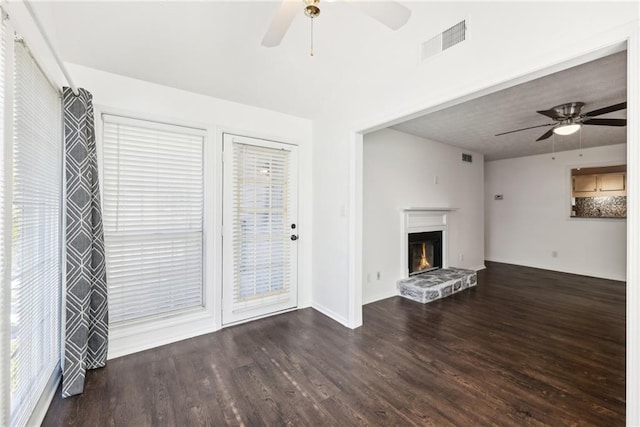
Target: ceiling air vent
[(467, 158), (443, 41)]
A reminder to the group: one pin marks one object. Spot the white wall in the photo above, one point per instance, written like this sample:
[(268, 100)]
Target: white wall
[(502, 46), (533, 219), (398, 173), (127, 96)]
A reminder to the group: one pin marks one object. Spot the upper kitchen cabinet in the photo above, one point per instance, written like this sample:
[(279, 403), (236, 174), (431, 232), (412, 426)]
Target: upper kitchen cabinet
[(598, 182)]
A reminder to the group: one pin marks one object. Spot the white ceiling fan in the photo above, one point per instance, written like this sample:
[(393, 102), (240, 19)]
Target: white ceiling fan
[(390, 13)]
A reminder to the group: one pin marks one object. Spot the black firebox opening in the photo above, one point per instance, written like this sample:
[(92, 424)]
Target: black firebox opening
[(425, 251)]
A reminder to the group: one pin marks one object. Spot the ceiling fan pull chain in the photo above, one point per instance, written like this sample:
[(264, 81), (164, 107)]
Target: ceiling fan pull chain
[(580, 137), (311, 52)]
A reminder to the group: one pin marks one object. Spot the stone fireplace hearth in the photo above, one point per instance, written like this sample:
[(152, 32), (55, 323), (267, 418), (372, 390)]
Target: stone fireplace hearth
[(433, 285)]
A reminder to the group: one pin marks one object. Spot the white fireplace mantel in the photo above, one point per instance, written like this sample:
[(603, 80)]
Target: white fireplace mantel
[(420, 220), (429, 209)]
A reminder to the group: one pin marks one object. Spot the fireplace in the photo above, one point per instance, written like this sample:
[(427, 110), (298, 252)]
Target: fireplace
[(424, 245), (424, 251)]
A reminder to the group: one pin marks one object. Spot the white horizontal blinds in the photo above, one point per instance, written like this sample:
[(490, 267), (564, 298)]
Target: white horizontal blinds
[(5, 296), (153, 193), (35, 279), (261, 227)]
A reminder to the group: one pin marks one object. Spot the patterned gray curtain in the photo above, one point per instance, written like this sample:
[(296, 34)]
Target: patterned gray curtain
[(86, 327)]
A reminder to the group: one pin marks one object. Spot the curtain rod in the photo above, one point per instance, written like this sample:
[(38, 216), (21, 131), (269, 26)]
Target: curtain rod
[(27, 4)]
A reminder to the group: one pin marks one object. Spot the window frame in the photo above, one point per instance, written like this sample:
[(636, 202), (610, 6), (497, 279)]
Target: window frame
[(131, 336)]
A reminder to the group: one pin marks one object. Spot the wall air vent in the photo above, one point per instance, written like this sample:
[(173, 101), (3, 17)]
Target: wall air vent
[(467, 158), (443, 41)]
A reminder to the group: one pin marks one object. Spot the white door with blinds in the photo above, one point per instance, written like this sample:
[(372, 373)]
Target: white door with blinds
[(153, 195), (260, 228)]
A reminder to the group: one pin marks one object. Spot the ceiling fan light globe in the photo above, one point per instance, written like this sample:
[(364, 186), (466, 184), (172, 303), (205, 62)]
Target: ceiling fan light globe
[(567, 129)]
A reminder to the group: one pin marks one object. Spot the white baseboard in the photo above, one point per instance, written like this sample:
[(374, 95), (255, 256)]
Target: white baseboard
[(331, 314), (620, 278), (134, 344), (379, 296), (264, 316), (479, 267), (40, 411), (132, 338)]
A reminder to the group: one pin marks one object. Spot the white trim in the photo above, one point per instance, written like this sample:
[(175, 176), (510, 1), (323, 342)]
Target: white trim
[(7, 209), (380, 296), (41, 408), (633, 227), (581, 272), (152, 124), (52, 49), (479, 267), (213, 226), (355, 237), (23, 23), (429, 209), (143, 336), (331, 314), (262, 316)]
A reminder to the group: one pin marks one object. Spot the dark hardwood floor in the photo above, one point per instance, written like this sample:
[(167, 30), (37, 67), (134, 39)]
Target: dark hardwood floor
[(525, 347)]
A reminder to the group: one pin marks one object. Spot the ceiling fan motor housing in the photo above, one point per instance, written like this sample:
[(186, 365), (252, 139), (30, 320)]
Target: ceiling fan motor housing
[(568, 110), (311, 9)]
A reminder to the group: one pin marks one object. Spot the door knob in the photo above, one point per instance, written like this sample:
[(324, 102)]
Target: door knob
[(294, 237)]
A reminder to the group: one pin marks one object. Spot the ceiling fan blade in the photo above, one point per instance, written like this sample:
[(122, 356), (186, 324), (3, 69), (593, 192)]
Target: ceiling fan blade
[(606, 122), (281, 22), (546, 135), (605, 110), (390, 13), (518, 130), (552, 114)]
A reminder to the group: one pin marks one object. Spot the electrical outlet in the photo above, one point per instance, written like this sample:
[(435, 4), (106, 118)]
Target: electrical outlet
[(435, 179), (378, 276), (499, 197), (461, 256), (554, 254)]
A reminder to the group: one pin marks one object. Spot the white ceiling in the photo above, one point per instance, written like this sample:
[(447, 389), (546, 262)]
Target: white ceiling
[(213, 48), (472, 125)]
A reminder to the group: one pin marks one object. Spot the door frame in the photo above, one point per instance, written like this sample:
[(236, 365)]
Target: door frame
[(226, 229)]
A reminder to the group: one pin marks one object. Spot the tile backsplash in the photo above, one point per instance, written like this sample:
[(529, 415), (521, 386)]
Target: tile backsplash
[(601, 207)]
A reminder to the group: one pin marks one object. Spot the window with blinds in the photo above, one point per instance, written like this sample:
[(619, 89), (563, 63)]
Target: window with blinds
[(153, 195), (35, 234), (5, 295)]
